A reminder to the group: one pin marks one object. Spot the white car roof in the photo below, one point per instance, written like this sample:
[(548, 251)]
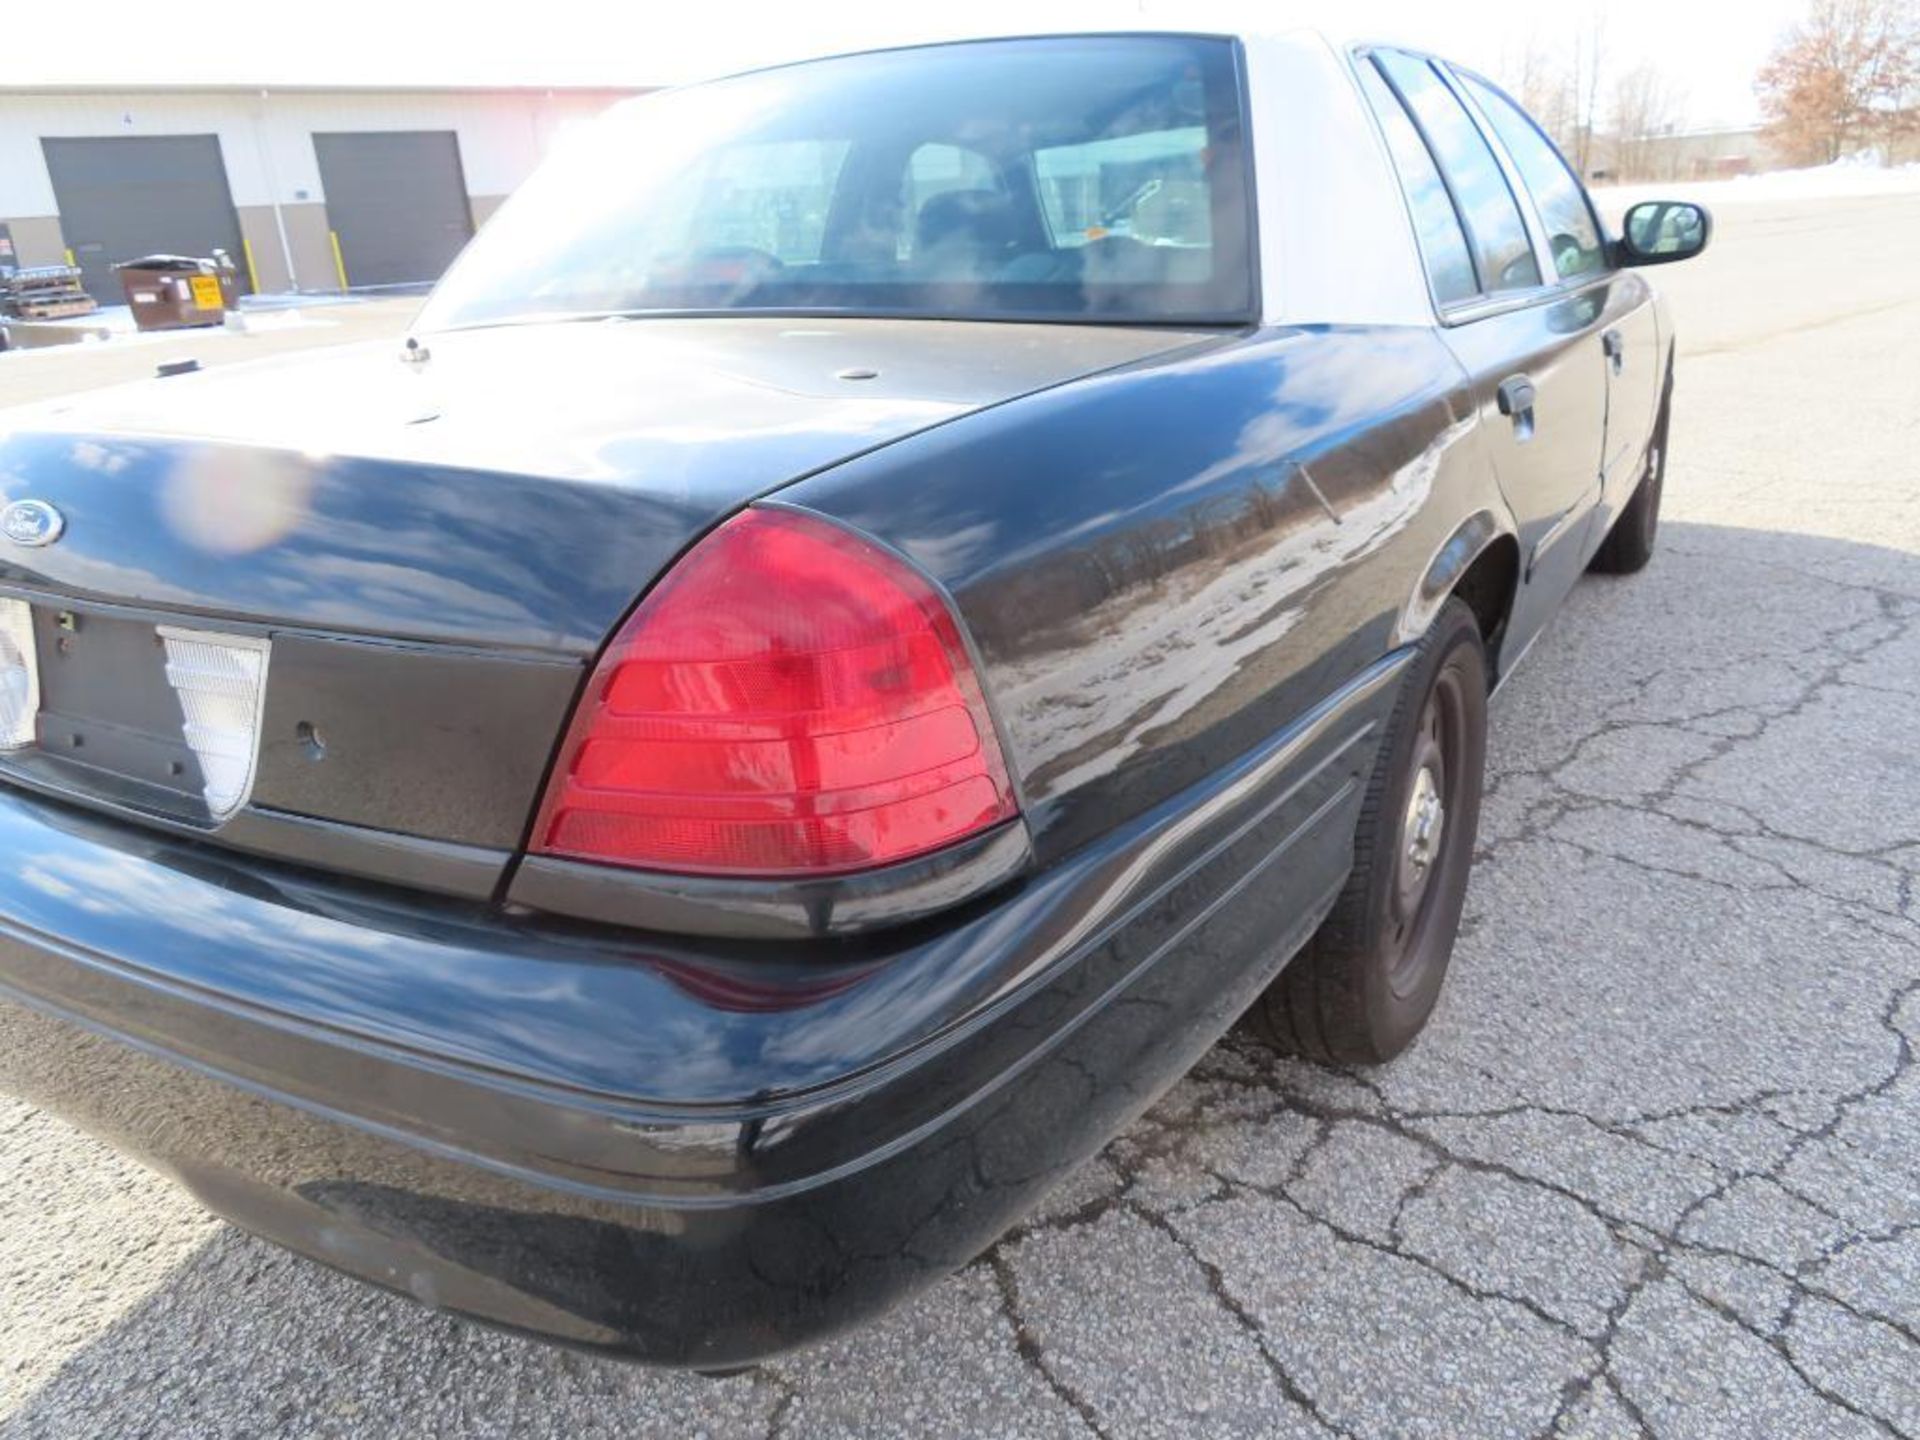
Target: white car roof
[(1336, 239)]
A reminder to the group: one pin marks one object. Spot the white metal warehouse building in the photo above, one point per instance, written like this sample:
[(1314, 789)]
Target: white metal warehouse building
[(307, 189)]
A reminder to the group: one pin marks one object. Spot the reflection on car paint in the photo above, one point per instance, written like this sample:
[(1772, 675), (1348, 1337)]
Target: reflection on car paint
[(1152, 600)]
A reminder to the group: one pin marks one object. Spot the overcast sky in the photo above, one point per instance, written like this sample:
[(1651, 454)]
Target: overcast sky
[(1710, 50)]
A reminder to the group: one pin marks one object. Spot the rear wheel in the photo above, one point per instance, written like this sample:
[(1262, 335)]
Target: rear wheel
[(1367, 981), (1629, 545)]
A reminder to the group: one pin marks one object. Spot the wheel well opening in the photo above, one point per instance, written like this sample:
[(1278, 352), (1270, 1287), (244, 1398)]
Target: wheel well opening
[(1487, 588)]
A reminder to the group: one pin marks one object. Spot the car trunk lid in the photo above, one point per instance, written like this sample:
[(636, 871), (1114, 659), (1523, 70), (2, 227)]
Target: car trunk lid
[(424, 554), (517, 489)]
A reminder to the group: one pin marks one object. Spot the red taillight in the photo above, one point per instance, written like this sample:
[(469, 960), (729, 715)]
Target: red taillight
[(790, 700)]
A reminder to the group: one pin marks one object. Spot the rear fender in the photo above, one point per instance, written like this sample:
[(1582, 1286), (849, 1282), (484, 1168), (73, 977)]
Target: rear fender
[(1457, 555)]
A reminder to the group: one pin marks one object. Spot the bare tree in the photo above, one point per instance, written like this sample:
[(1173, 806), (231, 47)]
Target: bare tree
[(1560, 83), (1845, 78), (1646, 108), (1589, 64), (1537, 76)]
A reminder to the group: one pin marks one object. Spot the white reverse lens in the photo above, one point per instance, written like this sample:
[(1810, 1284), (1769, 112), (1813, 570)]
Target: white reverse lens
[(19, 676), (222, 684)]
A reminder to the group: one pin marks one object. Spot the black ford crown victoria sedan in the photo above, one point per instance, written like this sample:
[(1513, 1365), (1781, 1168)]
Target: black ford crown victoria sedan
[(884, 604)]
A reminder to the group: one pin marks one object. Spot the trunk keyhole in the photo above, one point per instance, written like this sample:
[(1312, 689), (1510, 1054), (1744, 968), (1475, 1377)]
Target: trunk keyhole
[(310, 741)]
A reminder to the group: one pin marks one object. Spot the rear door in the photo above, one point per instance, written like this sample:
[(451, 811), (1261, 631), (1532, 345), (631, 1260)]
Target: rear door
[(1629, 334), (1532, 346)]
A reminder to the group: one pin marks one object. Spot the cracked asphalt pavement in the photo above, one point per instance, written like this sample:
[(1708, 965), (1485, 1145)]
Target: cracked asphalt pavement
[(1655, 1169)]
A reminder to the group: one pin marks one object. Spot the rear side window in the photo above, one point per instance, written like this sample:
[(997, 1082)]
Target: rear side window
[(1557, 195), (1443, 244), (1492, 215)]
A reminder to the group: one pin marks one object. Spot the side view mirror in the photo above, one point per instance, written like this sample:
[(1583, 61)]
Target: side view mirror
[(1659, 232)]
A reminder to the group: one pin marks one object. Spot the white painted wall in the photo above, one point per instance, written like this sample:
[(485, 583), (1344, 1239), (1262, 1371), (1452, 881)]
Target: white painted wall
[(266, 140)]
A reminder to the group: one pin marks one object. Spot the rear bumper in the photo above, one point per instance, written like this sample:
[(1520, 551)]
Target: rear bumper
[(693, 1156)]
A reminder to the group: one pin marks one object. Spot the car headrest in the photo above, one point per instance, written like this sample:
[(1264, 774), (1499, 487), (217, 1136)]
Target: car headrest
[(976, 219)]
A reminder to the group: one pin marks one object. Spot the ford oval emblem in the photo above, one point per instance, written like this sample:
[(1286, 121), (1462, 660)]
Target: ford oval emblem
[(32, 522)]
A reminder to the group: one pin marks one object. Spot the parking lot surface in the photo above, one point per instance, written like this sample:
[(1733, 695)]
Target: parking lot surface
[(1654, 1169), (27, 376)]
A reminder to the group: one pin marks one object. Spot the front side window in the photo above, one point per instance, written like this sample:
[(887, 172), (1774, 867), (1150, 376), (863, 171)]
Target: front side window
[(1557, 195), (1093, 177), (1501, 244), (1443, 244)]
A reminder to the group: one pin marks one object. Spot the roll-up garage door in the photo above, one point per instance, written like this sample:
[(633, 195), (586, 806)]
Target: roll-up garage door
[(397, 200), (125, 196)]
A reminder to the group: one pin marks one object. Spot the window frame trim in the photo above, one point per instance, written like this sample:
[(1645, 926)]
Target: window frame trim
[(1516, 183), (1488, 301), (1485, 304), (1363, 55), (1247, 143), (1457, 76)]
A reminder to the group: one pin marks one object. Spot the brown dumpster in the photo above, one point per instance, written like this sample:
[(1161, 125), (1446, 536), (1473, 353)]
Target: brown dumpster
[(173, 292)]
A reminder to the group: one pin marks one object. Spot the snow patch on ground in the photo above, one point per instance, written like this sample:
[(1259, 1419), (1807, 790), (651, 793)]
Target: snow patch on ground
[(1842, 179)]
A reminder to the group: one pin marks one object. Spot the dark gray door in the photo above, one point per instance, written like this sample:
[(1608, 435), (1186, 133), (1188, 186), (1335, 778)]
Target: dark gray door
[(397, 200), (132, 195)]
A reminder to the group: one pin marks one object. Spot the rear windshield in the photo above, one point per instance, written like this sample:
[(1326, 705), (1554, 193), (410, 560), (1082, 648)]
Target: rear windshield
[(1085, 178)]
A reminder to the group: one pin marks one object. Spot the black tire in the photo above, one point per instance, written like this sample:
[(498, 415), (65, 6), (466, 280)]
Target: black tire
[(1629, 545), (1363, 987)]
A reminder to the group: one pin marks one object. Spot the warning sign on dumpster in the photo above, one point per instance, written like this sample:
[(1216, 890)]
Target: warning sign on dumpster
[(206, 292)]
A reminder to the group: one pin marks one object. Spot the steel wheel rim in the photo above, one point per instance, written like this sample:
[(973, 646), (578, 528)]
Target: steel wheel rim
[(1427, 838)]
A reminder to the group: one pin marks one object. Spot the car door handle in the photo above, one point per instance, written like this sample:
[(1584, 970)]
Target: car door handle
[(1515, 399), (1515, 396), (1615, 345)]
